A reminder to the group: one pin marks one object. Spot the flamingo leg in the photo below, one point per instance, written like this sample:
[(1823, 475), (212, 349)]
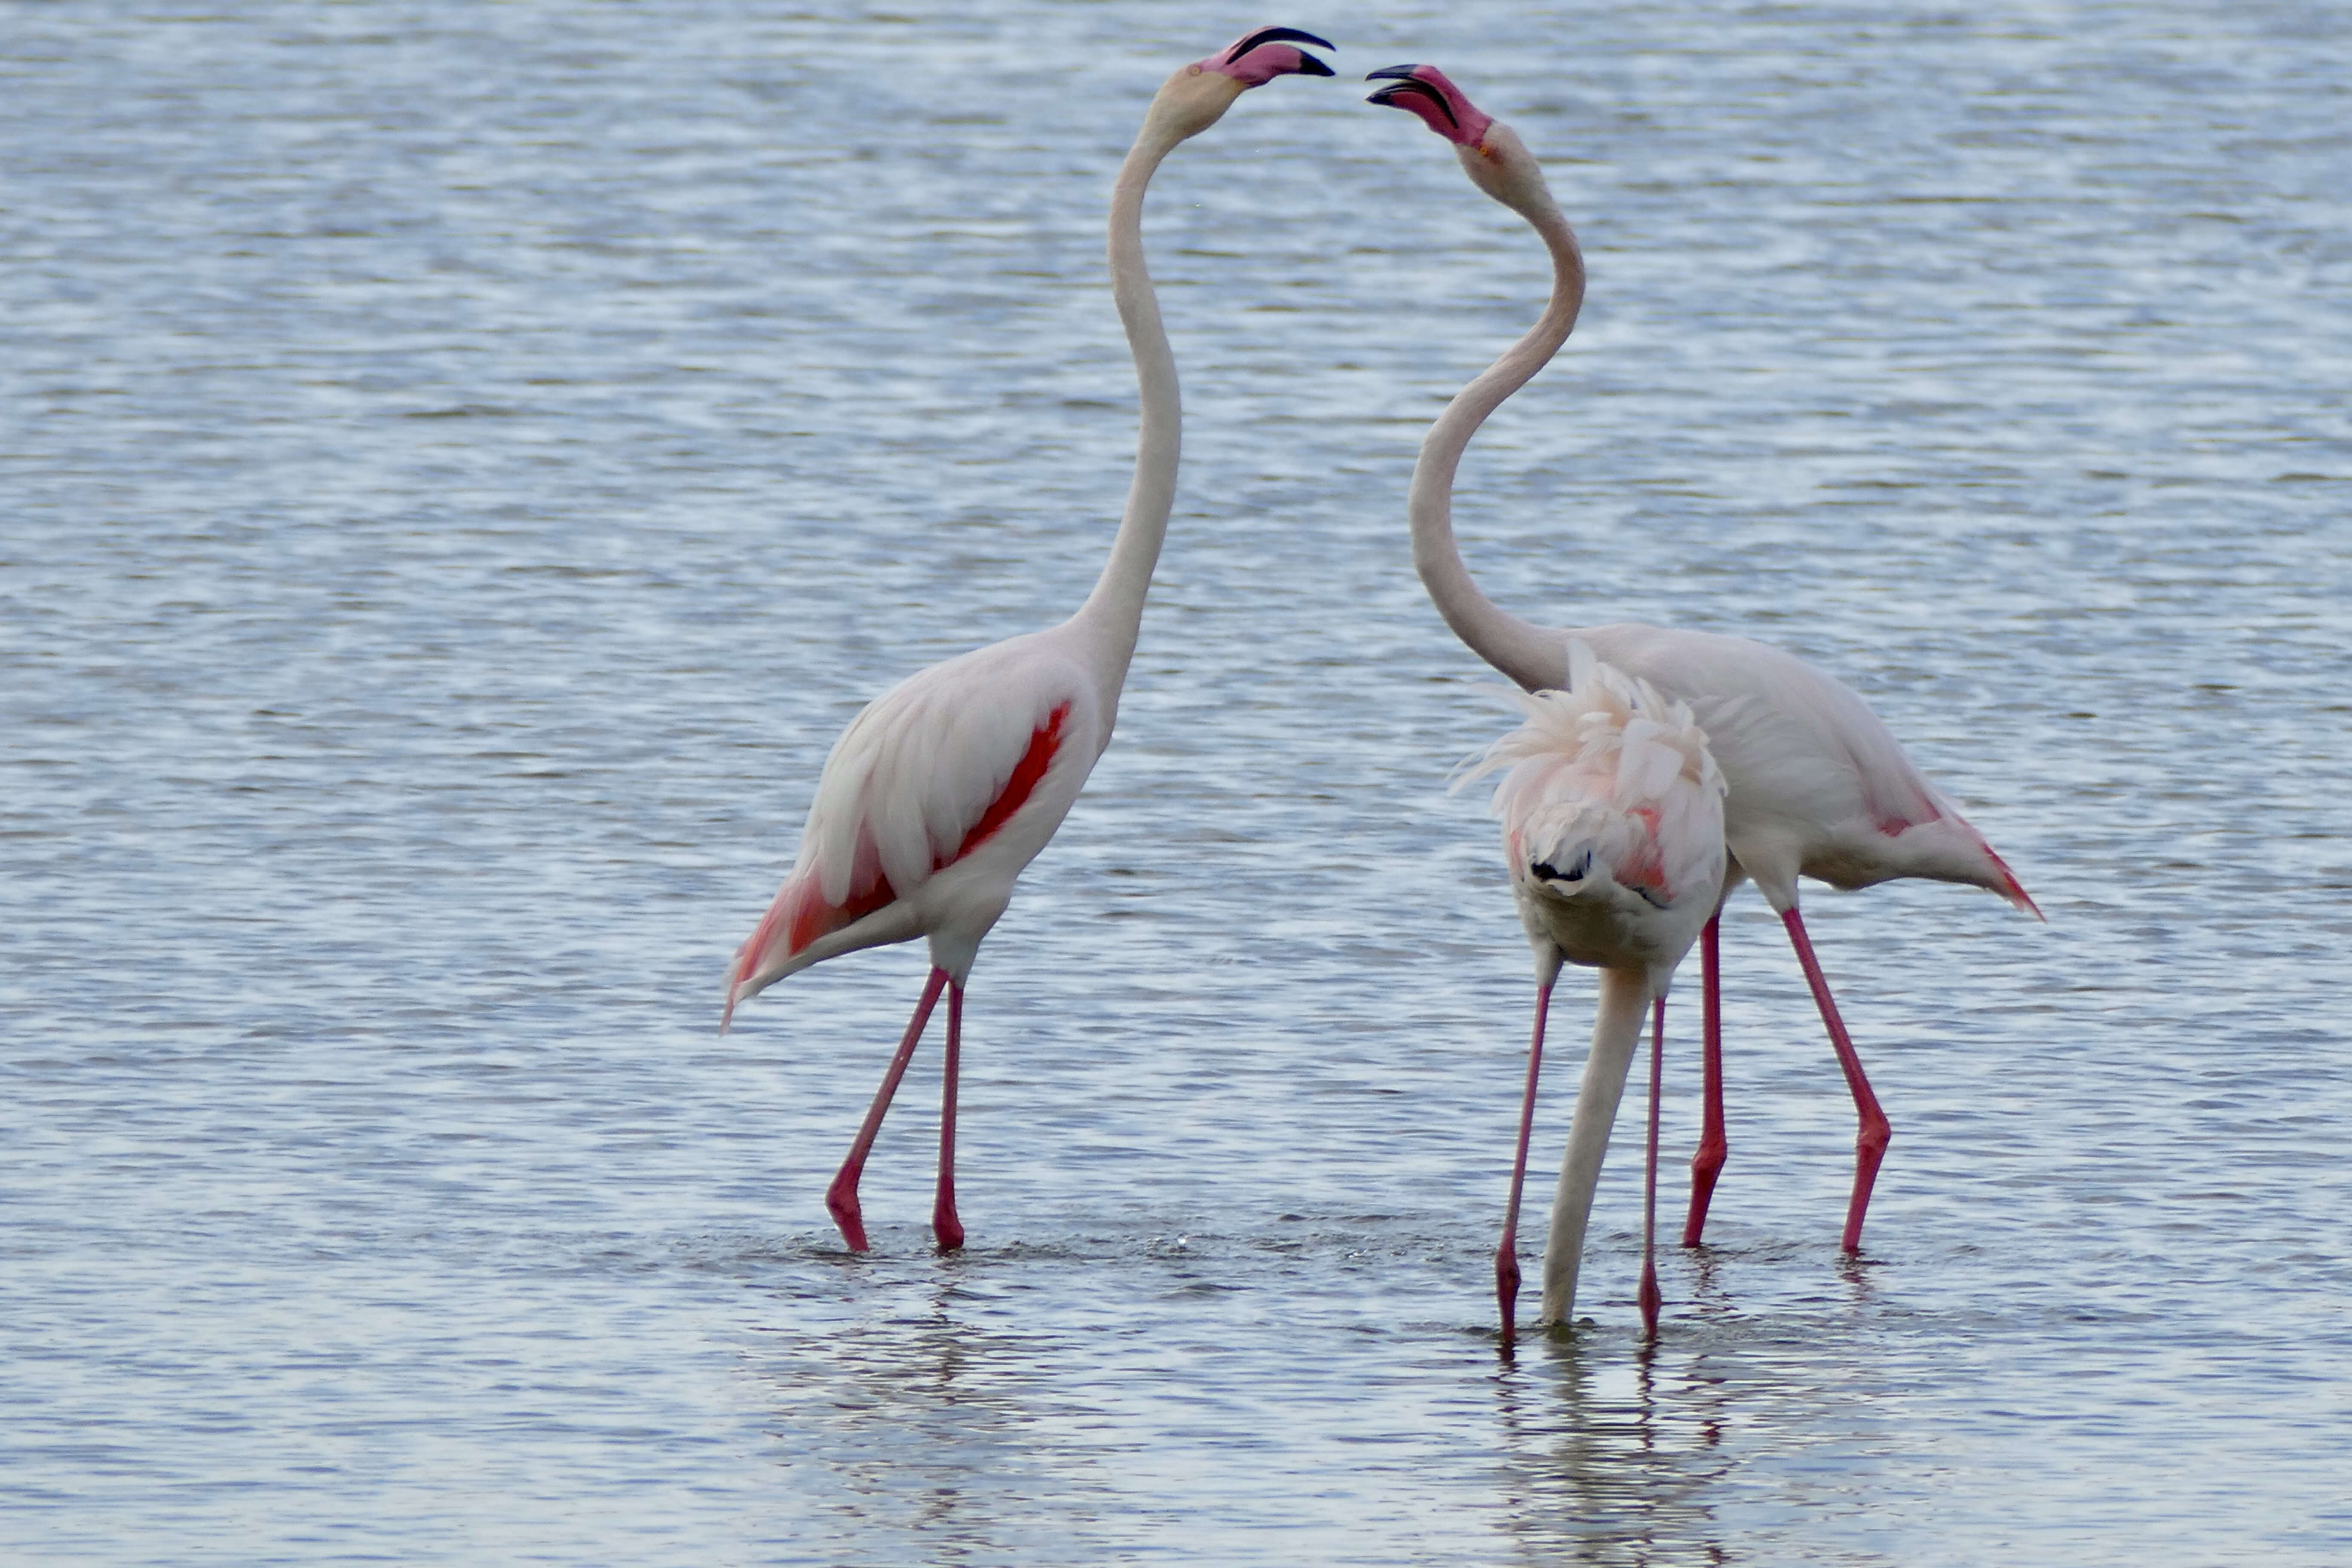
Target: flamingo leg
[(1652, 1299), (1714, 1148), (1870, 1139), (841, 1198), (944, 1224), (1507, 1255)]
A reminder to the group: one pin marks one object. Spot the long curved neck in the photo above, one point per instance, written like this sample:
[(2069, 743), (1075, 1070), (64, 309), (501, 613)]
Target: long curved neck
[(1625, 996), (1115, 609), (1530, 654)]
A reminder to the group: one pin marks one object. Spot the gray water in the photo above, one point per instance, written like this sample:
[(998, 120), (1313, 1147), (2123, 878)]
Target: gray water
[(462, 464)]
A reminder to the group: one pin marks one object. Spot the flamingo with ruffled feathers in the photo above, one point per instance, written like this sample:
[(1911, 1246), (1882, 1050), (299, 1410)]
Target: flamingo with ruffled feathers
[(945, 787), (1612, 831), (1818, 785)]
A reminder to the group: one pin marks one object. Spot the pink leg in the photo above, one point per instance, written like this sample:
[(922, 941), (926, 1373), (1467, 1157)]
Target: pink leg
[(1651, 1297), (1870, 1142), (1714, 1148), (841, 1198), (944, 1224), (1507, 1255)]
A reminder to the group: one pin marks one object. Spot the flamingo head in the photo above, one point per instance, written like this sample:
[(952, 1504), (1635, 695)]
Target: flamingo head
[(1491, 153), (1426, 90), (1198, 94)]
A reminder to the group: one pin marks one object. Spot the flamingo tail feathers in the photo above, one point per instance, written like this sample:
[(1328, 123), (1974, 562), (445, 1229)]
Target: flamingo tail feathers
[(798, 917), (2012, 890)]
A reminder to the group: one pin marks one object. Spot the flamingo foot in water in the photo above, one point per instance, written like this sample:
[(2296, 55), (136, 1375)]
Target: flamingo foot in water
[(841, 1201), (1874, 1133), (1713, 1145), (841, 1198), (945, 1225), (1506, 1285), (1651, 1297)]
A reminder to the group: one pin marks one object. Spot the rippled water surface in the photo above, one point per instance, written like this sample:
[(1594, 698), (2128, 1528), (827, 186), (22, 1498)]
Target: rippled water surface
[(461, 465)]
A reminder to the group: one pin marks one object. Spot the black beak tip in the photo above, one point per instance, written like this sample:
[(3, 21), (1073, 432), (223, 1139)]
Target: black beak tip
[(1292, 35), (1275, 36), (1415, 88), (1309, 66), (1397, 73)]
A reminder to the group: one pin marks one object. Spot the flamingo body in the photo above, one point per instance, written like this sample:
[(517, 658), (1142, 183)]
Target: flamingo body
[(1819, 785)]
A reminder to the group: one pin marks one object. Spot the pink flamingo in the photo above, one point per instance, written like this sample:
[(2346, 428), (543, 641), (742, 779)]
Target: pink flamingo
[(1819, 785), (1613, 830), (945, 787)]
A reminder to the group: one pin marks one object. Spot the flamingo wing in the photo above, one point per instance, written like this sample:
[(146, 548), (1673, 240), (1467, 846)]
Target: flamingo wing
[(925, 774), (1783, 730), (1813, 770)]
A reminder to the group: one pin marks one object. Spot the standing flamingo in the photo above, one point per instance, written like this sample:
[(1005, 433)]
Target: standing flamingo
[(1819, 785), (1612, 829), (946, 786)]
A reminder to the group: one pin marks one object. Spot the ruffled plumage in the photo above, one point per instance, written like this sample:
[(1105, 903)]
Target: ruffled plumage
[(1611, 812)]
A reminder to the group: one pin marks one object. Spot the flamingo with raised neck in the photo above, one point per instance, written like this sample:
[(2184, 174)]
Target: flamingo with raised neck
[(945, 787)]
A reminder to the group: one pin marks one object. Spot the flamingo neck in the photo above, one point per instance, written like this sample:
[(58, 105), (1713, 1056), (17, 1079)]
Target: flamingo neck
[(1626, 997), (1530, 654), (1115, 609)]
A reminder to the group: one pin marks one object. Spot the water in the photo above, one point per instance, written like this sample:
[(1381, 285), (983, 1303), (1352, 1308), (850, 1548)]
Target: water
[(464, 464)]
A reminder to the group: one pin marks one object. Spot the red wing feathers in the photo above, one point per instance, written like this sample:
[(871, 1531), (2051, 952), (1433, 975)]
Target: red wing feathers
[(1043, 742), (802, 914)]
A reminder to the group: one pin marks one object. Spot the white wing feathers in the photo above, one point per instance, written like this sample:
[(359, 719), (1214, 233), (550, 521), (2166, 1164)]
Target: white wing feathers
[(1783, 730), (919, 768)]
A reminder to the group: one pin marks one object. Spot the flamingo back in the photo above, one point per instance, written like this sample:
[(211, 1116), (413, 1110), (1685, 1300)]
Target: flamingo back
[(1819, 784)]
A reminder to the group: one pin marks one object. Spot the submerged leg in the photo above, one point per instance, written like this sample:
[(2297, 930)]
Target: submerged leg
[(944, 1224), (1870, 1139), (1714, 1148), (1652, 1299), (1507, 1255), (841, 1198)]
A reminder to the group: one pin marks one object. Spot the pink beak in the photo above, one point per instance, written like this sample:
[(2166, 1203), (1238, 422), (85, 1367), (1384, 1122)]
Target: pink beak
[(1442, 107)]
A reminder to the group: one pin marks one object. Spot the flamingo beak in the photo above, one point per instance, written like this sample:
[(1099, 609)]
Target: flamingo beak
[(1390, 97), (1308, 64), (1257, 58), (1409, 86), (1424, 92)]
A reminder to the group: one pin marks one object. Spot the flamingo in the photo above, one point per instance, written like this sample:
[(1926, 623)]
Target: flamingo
[(943, 789), (1612, 829), (1819, 785)]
